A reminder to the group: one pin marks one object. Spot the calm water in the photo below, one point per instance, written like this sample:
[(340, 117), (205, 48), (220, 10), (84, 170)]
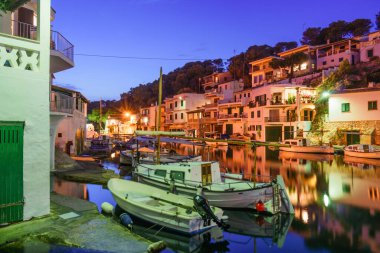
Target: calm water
[(336, 201)]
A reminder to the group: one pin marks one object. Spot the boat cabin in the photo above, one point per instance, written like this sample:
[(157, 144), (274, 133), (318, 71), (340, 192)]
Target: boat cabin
[(364, 148), (301, 142), (195, 173)]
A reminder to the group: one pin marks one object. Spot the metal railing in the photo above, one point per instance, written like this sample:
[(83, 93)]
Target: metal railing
[(61, 44), (280, 119), (62, 103), (24, 30), (233, 115)]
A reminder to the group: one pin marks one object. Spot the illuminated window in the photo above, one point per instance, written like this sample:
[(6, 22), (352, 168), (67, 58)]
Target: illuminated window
[(303, 66)]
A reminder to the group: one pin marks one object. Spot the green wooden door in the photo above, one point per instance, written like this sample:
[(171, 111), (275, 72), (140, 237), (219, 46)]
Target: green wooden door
[(11, 172), (273, 133), (229, 129)]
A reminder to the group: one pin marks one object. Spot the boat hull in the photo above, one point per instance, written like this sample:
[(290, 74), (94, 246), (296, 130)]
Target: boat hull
[(163, 218), (309, 149), (370, 155), (245, 199)]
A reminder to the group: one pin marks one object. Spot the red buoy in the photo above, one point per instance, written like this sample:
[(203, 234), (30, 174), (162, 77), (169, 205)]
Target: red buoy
[(260, 206)]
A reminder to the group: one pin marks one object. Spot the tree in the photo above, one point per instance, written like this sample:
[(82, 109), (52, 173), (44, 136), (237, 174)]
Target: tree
[(378, 21), (311, 36), (289, 62), (359, 27), (337, 30), (11, 5), (284, 46)]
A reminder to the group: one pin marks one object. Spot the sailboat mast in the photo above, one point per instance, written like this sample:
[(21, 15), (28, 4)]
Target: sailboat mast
[(159, 115), (100, 114)]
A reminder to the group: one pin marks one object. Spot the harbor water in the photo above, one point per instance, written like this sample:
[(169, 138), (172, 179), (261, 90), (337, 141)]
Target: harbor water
[(336, 201)]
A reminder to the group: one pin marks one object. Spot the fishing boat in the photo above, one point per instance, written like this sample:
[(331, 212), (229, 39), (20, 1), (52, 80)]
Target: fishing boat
[(191, 178), (362, 151), (162, 208), (302, 145), (100, 146), (215, 140)]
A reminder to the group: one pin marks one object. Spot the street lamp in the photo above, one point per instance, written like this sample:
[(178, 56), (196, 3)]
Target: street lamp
[(325, 94), (127, 114)]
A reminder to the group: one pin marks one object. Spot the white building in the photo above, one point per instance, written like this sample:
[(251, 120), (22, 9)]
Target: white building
[(24, 112), (370, 46), (71, 131), (176, 109), (148, 117), (279, 111), (355, 113)]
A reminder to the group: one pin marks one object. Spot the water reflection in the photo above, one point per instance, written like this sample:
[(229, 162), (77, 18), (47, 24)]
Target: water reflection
[(336, 200)]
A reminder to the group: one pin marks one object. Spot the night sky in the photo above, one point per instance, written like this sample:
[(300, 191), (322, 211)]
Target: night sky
[(185, 29)]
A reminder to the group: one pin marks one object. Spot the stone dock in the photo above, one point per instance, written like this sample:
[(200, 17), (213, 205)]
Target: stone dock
[(73, 223)]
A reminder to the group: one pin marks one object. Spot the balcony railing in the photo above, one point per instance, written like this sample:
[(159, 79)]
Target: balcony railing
[(62, 103), (24, 30), (233, 116), (61, 44), (280, 119)]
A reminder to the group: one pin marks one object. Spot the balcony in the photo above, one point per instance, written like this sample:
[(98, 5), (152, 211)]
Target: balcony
[(62, 104), (23, 30), (61, 54), (279, 119), (233, 116)]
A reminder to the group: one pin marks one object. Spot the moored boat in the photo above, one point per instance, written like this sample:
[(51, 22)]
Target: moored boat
[(362, 151), (160, 207), (191, 178), (302, 145)]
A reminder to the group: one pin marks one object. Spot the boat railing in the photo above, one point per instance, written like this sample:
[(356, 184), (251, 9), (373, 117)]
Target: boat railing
[(211, 186)]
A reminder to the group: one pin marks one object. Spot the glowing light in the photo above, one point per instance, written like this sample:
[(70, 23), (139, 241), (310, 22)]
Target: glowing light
[(326, 200), (304, 66), (127, 114), (145, 120), (113, 155), (325, 94), (305, 216)]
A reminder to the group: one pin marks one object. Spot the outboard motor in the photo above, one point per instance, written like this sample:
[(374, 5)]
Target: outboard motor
[(204, 210)]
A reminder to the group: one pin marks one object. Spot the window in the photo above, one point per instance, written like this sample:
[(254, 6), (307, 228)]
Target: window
[(372, 105), (345, 107), (181, 115), (59, 135), (255, 79), (249, 94), (175, 116), (177, 175), (171, 117), (258, 114), (340, 59), (346, 188), (225, 87), (258, 127), (370, 53), (171, 106), (181, 102), (252, 114), (332, 60), (160, 173), (175, 104), (229, 110), (324, 63)]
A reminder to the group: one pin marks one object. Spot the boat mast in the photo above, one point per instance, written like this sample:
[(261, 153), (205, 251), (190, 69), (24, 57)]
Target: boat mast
[(159, 116), (100, 115)]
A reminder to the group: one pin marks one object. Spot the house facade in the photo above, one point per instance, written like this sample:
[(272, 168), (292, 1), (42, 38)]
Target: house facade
[(354, 116), (148, 117), (24, 112), (71, 131)]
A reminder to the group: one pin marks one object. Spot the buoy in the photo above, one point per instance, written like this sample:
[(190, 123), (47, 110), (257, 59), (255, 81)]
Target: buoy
[(156, 247), (107, 208), (260, 206), (126, 220)]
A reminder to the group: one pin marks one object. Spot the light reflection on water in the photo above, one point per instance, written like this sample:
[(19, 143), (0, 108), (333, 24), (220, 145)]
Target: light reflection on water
[(350, 222)]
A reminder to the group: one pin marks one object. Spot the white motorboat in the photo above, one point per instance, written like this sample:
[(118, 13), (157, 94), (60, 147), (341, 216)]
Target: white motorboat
[(160, 207), (362, 151), (191, 178), (302, 145)]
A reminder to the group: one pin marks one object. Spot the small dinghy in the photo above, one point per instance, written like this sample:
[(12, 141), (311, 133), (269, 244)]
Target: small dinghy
[(165, 209)]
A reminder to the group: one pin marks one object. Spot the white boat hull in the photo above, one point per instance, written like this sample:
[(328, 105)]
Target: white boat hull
[(309, 149), (370, 155), (168, 219)]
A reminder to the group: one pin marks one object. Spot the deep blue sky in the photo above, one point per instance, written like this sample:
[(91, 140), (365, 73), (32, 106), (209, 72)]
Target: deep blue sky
[(179, 29)]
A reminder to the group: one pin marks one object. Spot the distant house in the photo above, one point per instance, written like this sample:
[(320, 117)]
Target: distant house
[(71, 131), (355, 114)]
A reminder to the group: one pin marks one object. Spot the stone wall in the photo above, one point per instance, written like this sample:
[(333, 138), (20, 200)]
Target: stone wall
[(334, 132)]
